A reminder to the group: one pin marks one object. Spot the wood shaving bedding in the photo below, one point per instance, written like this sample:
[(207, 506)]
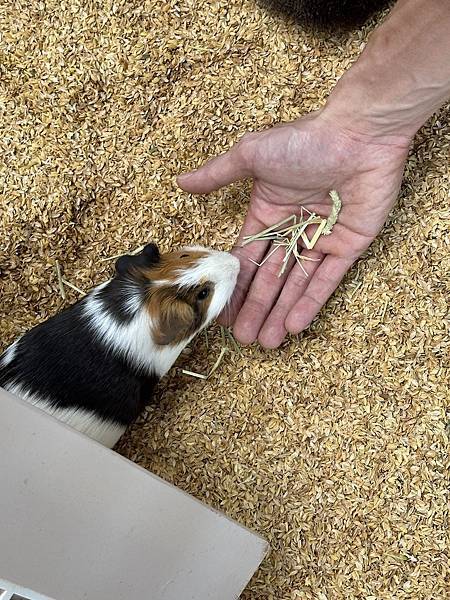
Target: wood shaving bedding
[(335, 446)]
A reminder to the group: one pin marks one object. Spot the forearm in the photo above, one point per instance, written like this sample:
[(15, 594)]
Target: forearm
[(403, 74)]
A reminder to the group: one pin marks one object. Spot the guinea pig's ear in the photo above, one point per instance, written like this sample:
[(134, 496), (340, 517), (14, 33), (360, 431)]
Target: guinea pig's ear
[(124, 264), (175, 321), (149, 257), (151, 254)]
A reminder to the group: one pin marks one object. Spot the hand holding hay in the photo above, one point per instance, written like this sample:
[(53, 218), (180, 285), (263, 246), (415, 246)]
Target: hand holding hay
[(286, 163)]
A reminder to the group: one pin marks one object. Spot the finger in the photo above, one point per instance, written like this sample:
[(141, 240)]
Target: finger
[(273, 330), (322, 284), (217, 172), (262, 295), (249, 256)]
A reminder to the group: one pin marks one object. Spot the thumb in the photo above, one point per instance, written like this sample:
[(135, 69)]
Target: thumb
[(216, 173)]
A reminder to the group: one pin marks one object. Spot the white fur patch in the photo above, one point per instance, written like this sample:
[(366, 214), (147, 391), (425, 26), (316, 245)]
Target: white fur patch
[(133, 303), (9, 354), (219, 267), (102, 431), (132, 340)]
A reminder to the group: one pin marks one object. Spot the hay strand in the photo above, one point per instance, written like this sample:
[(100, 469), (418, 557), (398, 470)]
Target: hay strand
[(289, 237), (73, 287), (62, 291), (334, 214)]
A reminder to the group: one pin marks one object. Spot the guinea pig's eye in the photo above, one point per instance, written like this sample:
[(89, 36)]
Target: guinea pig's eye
[(184, 256), (203, 294)]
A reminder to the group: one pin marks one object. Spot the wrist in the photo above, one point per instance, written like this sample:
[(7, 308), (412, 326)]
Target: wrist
[(359, 108), (402, 76)]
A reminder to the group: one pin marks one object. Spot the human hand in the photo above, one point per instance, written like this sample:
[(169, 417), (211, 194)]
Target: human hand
[(295, 165)]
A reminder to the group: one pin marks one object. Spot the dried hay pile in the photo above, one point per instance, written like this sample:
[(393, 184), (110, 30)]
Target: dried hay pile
[(333, 447)]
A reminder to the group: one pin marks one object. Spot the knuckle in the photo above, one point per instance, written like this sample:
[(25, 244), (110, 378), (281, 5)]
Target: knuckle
[(270, 272), (244, 148), (313, 300), (255, 306)]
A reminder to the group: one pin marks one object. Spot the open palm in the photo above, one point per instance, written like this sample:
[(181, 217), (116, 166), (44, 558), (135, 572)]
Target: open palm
[(296, 165)]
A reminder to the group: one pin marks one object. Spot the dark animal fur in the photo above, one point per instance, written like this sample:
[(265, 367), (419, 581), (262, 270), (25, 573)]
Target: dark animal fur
[(131, 262), (61, 361), (327, 14)]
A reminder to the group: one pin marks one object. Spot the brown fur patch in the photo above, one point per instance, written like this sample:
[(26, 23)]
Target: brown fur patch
[(177, 314), (172, 263), (175, 318)]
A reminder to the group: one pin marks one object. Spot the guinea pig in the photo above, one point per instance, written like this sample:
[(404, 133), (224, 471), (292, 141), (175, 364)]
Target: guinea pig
[(95, 365), (328, 14)]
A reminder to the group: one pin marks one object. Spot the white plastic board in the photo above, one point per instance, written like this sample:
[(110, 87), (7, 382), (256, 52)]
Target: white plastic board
[(78, 521), (11, 591)]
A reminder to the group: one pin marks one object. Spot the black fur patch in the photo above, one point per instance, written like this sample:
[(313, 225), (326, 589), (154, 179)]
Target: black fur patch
[(127, 289), (120, 296), (327, 14), (130, 264), (151, 252), (59, 360)]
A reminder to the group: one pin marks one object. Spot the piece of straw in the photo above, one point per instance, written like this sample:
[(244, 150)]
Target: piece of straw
[(62, 291), (218, 361), (136, 251), (298, 257), (222, 335), (335, 210), (294, 229), (257, 236), (73, 287), (384, 309), (303, 257), (193, 374), (234, 343), (225, 334), (310, 243), (214, 368)]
